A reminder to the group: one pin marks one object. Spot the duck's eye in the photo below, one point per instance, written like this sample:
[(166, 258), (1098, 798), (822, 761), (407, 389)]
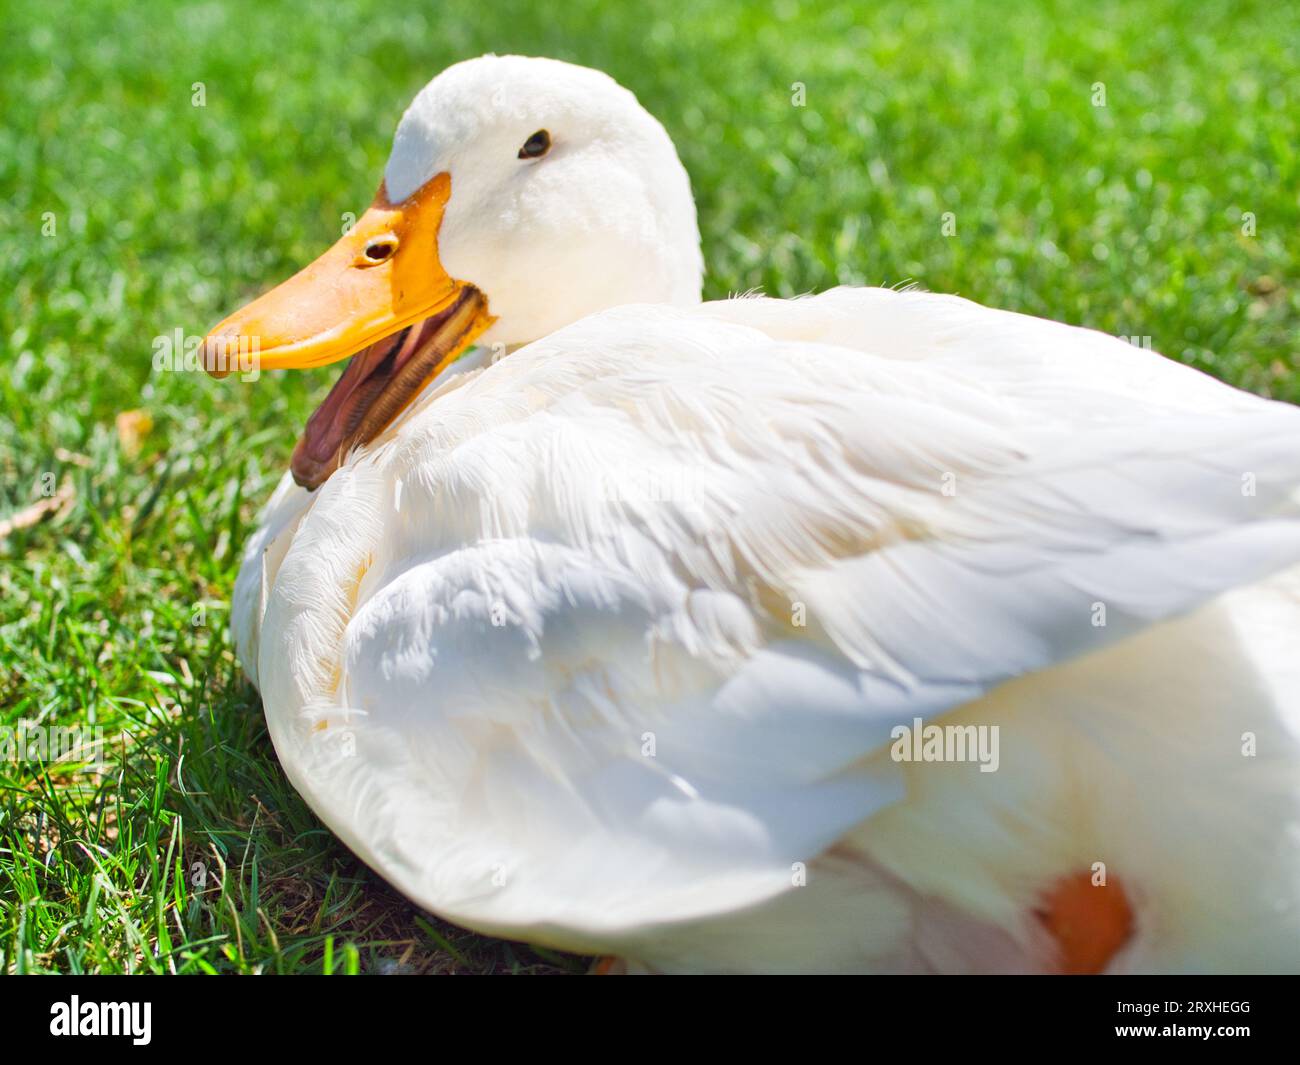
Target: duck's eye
[(380, 249), (536, 146)]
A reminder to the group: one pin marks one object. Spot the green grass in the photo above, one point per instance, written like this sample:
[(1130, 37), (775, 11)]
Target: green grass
[(113, 613)]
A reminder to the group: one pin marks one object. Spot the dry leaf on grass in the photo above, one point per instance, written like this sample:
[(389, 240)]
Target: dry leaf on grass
[(132, 427), (38, 511)]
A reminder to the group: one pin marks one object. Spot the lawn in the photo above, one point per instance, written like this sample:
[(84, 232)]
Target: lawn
[(1127, 166)]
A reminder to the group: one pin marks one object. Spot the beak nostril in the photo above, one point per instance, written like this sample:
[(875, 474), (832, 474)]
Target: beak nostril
[(377, 251)]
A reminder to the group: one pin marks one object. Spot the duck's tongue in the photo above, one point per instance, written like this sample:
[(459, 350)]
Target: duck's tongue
[(362, 379), (378, 383)]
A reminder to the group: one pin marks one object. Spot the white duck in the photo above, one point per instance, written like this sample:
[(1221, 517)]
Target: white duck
[(608, 636)]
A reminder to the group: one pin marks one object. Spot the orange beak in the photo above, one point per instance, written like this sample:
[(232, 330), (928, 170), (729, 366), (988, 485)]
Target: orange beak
[(381, 291)]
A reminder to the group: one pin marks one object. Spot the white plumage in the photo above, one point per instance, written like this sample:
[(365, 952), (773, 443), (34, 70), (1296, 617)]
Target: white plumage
[(600, 645)]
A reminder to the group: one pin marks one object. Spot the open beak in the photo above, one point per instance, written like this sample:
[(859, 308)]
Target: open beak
[(380, 295)]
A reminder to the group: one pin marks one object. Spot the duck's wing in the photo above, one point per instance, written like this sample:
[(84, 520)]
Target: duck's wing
[(615, 632)]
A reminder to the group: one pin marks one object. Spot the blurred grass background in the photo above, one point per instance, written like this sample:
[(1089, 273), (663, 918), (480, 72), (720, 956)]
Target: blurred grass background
[(192, 853)]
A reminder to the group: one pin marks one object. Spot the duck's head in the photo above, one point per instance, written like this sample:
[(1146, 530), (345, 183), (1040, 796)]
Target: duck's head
[(521, 195)]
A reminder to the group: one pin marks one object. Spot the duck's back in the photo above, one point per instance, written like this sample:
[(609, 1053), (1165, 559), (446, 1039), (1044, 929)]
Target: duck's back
[(613, 635)]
